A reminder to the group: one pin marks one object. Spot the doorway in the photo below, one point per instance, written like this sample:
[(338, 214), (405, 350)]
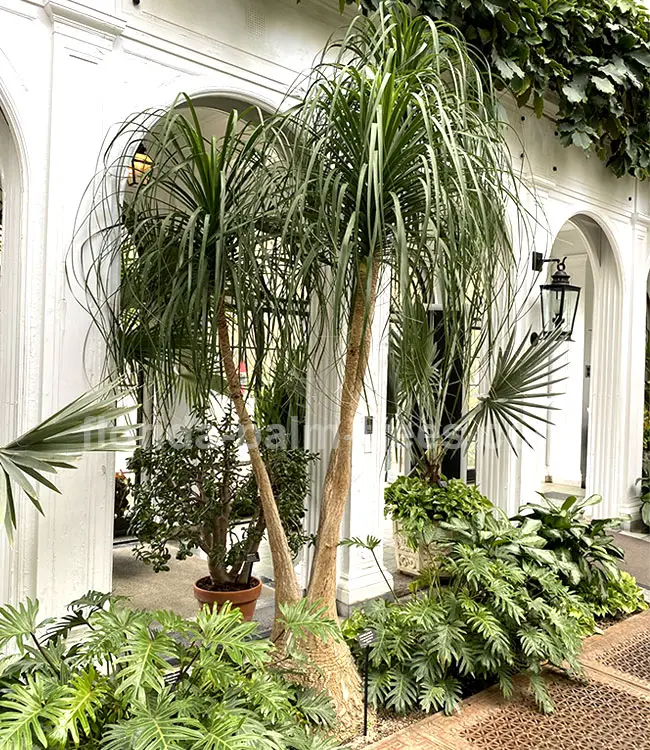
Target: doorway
[(567, 438)]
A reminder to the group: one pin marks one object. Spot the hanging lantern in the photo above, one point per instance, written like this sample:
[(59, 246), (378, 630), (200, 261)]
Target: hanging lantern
[(140, 165), (559, 301)]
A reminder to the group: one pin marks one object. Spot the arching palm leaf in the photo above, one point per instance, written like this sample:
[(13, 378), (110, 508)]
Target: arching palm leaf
[(86, 424)]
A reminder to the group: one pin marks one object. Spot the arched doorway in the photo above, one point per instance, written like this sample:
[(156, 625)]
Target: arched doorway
[(568, 436), (130, 576), (581, 446)]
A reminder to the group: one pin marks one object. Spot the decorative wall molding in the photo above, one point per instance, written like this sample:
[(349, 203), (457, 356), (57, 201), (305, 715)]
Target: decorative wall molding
[(91, 33), (83, 18)]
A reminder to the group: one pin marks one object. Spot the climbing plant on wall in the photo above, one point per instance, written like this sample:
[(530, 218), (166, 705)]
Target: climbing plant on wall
[(591, 56)]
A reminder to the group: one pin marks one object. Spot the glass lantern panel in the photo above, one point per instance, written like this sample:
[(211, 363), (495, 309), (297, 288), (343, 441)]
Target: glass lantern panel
[(571, 298), (557, 309)]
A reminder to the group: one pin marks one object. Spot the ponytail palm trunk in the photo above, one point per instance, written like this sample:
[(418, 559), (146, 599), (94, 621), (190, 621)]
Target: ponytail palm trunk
[(400, 171), (322, 586)]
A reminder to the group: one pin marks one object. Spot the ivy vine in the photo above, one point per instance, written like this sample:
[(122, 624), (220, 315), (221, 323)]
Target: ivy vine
[(593, 55)]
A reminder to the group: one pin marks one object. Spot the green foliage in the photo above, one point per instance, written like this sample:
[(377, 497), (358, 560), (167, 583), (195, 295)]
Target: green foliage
[(123, 489), (645, 508), (85, 424), (586, 553), (623, 597), (153, 681), (503, 611), (196, 489), (592, 56), (420, 505), (644, 497)]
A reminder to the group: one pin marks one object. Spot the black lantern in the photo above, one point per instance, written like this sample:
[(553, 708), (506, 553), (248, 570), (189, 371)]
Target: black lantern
[(140, 165), (559, 299)]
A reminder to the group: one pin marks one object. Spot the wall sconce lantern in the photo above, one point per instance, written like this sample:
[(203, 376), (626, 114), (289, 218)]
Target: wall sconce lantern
[(559, 299), (141, 163)]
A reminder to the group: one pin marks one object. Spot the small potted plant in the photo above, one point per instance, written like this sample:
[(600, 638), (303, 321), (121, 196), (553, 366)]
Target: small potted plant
[(198, 493), (121, 515), (418, 506)]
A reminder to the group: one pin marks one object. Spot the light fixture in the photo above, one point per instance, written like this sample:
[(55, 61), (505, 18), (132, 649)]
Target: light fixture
[(559, 299), (140, 165)]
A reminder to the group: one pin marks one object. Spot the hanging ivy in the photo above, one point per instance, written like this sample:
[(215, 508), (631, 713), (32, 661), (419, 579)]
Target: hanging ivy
[(593, 55)]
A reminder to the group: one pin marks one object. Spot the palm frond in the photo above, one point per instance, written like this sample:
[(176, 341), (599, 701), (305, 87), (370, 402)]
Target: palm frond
[(86, 424), (519, 389)]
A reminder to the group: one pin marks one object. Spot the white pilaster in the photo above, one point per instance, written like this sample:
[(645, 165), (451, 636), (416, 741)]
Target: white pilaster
[(75, 537), (359, 577), (635, 367)]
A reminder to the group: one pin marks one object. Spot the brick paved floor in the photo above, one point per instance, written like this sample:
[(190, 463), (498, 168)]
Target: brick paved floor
[(609, 710)]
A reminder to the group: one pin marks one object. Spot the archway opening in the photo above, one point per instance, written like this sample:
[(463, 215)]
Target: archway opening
[(582, 448), (130, 576), (567, 438)]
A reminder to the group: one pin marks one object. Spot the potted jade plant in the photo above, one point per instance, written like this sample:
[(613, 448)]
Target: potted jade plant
[(197, 492), (418, 507)]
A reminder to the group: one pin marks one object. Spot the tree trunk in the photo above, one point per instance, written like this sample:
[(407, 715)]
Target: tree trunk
[(322, 585), (287, 590), (333, 662)]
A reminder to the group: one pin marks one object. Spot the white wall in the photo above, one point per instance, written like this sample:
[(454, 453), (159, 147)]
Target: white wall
[(613, 215)]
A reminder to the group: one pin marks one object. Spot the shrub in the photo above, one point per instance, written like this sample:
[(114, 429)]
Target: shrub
[(421, 507), (623, 597), (153, 681), (587, 556), (197, 489), (503, 611)]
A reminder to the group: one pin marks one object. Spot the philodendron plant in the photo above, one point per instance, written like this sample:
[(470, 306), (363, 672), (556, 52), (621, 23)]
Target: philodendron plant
[(107, 676), (198, 493)]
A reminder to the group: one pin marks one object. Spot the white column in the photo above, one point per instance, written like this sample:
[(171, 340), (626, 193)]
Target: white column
[(75, 537), (635, 389), (606, 454), (359, 577)]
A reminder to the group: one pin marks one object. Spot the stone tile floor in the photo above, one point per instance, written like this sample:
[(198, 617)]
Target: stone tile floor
[(608, 710)]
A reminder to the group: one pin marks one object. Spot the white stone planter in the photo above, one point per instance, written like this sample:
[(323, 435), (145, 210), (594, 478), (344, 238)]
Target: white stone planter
[(409, 561), (412, 562)]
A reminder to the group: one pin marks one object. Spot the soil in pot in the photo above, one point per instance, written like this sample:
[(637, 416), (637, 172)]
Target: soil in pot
[(244, 596)]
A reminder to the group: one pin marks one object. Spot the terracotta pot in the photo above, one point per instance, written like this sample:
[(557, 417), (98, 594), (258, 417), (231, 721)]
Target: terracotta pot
[(243, 600)]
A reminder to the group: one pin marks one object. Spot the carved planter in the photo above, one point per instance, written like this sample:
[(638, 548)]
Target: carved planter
[(412, 562)]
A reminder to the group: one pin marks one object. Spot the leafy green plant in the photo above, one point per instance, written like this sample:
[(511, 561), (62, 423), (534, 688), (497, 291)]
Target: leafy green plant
[(421, 506), (106, 676), (593, 58), (197, 492), (644, 481), (503, 611), (85, 424), (645, 508), (623, 597), (585, 549)]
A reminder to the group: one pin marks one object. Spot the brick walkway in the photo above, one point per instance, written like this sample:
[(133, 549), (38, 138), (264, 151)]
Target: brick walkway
[(610, 710)]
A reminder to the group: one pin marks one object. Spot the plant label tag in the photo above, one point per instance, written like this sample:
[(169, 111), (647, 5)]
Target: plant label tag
[(367, 638)]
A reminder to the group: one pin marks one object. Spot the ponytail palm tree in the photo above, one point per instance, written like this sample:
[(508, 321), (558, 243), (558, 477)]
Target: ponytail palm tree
[(391, 168), (400, 171)]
